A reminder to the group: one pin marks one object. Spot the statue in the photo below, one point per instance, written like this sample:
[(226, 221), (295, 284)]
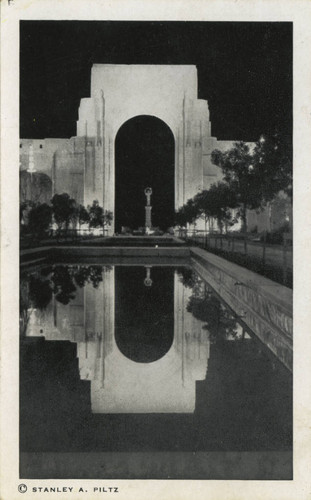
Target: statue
[(148, 281), (148, 207), (148, 193)]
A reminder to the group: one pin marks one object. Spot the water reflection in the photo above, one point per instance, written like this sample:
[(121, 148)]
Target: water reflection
[(220, 322), (144, 318), (108, 363), (38, 290), (142, 347)]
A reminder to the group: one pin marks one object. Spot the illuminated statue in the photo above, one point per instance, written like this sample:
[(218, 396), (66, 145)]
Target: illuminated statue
[(148, 207)]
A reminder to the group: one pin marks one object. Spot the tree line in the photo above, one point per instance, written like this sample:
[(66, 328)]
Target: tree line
[(37, 219), (252, 177)]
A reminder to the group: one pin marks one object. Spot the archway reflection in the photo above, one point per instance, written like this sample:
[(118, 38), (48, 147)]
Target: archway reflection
[(140, 347), (214, 388), (144, 312)]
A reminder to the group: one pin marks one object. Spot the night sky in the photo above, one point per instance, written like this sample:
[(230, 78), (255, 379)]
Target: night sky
[(244, 70)]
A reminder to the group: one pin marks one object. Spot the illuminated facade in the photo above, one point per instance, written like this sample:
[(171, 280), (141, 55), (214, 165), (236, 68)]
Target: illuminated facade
[(84, 165)]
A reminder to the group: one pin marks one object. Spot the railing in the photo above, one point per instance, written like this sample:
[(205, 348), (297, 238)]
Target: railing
[(249, 250)]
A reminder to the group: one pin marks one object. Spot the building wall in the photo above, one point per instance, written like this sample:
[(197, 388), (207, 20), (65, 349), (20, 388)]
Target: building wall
[(64, 161), (69, 168), (43, 153)]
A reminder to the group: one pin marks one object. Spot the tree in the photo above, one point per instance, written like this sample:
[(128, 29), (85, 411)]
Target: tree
[(98, 217), (81, 215), (222, 200), (181, 217), (216, 202), (273, 165), (39, 220), (257, 175), (187, 214), (205, 209), (238, 167), (108, 217), (64, 209)]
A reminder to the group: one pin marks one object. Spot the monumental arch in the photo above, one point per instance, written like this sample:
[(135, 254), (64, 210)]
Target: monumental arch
[(84, 166), (122, 92)]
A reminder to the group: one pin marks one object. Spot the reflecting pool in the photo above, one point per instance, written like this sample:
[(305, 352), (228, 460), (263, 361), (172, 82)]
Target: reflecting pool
[(143, 358)]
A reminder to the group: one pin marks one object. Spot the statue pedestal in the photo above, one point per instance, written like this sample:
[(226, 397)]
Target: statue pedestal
[(148, 216)]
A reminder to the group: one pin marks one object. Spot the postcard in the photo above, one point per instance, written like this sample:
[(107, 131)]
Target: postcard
[(154, 279)]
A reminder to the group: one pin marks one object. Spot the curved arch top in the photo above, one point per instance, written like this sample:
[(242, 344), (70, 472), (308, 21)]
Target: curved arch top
[(146, 348), (144, 115)]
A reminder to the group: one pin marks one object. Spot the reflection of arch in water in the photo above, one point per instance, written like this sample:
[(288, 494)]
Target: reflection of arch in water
[(167, 385), (146, 346), (144, 316), (119, 384)]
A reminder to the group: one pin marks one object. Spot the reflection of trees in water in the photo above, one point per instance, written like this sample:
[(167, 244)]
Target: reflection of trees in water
[(90, 274), (220, 322), (62, 283), (40, 292), (36, 290), (190, 279), (206, 307), (24, 305)]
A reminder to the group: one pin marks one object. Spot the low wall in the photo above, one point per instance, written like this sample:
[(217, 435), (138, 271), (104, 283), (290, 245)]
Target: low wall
[(263, 305), (67, 252)]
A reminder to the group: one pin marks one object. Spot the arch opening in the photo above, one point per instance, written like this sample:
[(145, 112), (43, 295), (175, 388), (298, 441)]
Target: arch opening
[(144, 157)]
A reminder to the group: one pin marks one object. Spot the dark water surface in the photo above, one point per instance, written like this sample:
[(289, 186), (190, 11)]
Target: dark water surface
[(117, 358)]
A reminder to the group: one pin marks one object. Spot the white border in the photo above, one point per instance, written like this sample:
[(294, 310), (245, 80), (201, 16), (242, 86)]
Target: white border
[(296, 11)]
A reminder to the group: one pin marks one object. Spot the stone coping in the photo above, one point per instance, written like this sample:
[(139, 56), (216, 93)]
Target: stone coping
[(37, 255), (278, 293), (263, 306), (115, 251)]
